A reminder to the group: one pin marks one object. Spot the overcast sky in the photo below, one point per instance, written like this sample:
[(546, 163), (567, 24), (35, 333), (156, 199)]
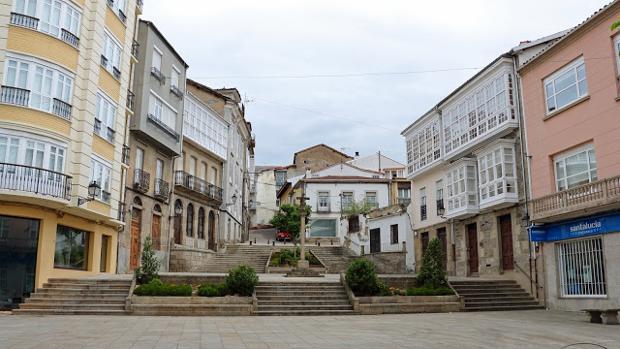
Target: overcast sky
[(277, 53)]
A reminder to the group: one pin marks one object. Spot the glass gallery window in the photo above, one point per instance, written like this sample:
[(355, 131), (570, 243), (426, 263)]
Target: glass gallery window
[(424, 146), (204, 127), (497, 172), (71, 248), (461, 187), (566, 86)]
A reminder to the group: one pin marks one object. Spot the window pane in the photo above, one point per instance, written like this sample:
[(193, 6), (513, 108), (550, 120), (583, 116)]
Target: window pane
[(71, 248), (564, 80), (583, 88), (579, 179), (565, 97), (576, 164)]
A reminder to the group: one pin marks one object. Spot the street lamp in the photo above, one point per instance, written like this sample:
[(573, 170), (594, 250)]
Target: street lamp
[(234, 200), (94, 190), (441, 212)]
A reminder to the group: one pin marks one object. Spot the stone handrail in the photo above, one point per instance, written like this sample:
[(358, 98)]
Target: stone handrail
[(131, 289), (318, 259), (268, 261), (352, 298)]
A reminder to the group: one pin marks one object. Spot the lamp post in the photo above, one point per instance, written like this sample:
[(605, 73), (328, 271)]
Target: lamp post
[(94, 190), (303, 263)]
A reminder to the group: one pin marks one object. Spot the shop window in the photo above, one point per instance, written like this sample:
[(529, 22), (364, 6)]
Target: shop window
[(71, 248), (581, 268)]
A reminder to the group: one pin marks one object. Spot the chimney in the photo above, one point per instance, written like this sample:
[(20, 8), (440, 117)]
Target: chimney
[(308, 173), (357, 154)]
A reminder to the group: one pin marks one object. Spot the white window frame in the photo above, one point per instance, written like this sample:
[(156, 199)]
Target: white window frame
[(561, 160), (424, 146), (15, 150), (175, 76), (323, 201), (59, 81), (68, 17), (157, 53), (551, 82), (139, 163), (497, 172), (372, 194), (617, 51), (101, 169), (577, 262), (203, 126), (346, 204), (162, 111), (112, 51), (105, 114), (461, 187)]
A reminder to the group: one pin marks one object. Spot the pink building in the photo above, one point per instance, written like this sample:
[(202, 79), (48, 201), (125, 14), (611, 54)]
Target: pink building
[(571, 102)]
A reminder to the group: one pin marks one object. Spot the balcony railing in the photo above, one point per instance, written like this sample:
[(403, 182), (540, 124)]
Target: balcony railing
[(161, 125), (125, 156), (162, 189), (24, 20), (141, 180), (122, 16), (185, 180), (15, 95), (324, 207), (176, 91), (35, 180), (69, 38), (131, 100), (135, 49), (587, 196), (140, 4), (158, 75), (62, 109)]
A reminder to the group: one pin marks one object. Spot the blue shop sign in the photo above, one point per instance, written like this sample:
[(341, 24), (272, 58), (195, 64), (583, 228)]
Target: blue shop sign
[(595, 225)]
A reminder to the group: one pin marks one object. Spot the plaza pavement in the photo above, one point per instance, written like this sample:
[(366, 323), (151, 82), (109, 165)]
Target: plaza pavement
[(505, 330)]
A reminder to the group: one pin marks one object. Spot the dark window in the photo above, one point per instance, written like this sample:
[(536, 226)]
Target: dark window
[(424, 238), (201, 223), (394, 234), (190, 220), (71, 248), (441, 235), (354, 224), (423, 214)]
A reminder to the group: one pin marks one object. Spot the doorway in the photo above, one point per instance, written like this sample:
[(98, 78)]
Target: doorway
[(375, 240), (19, 238), (443, 239), (211, 230), (505, 231), (472, 248), (136, 228)]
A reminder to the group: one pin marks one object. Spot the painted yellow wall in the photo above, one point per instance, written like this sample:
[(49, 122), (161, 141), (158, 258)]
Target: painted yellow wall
[(114, 25), (43, 46), (109, 84), (47, 242), (99, 207), (190, 149), (79, 2), (35, 118), (103, 148)]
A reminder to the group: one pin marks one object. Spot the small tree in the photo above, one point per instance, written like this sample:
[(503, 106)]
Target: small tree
[(362, 278), (432, 273), (149, 264), (289, 219), (615, 26), (241, 280)]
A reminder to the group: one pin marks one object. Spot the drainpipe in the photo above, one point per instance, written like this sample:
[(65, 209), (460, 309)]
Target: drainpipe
[(171, 210)]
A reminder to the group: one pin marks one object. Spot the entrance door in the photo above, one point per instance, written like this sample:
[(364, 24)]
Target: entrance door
[(136, 228), (211, 230), (472, 248), (441, 235), (505, 229), (19, 239), (156, 232), (375, 240)]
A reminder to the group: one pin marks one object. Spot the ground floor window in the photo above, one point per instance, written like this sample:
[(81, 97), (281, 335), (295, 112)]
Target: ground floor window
[(581, 268), (71, 248), (323, 228)]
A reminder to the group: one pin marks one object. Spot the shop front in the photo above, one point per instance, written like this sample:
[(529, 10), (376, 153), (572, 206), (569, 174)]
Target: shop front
[(581, 259)]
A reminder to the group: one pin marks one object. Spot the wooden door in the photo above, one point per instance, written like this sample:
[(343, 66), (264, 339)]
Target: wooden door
[(156, 232), (505, 229), (472, 248), (177, 229), (136, 227), (375, 240)]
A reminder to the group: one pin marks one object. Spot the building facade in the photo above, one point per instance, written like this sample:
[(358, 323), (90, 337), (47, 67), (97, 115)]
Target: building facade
[(65, 81), (571, 106), (155, 140)]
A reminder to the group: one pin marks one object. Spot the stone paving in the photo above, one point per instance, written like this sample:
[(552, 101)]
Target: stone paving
[(505, 330)]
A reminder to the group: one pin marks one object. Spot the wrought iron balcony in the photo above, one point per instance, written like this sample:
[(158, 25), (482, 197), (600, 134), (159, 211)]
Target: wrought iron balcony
[(162, 190), (15, 95), (176, 91), (140, 4), (157, 74), (184, 180), (125, 156), (62, 109), (35, 180), (594, 197), (131, 100), (152, 118), (141, 180), (25, 21), (104, 61), (69, 38)]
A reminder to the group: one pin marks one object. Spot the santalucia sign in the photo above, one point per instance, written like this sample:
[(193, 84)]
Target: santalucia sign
[(587, 226)]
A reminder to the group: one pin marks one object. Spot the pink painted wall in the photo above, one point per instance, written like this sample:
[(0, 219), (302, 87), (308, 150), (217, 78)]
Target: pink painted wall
[(595, 120)]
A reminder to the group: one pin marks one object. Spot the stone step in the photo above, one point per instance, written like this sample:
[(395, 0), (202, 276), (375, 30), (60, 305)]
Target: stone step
[(483, 282), (86, 286), (293, 308), (297, 301), (504, 308), (301, 293), (302, 298), (79, 292), (500, 303), (298, 288), (67, 312), (299, 283), (500, 298), (493, 287), (84, 296), (489, 290), (304, 312), (84, 300), (65, 306)]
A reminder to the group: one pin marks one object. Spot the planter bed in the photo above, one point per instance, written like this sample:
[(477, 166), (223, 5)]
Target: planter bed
[(192, 306), (408, 304)]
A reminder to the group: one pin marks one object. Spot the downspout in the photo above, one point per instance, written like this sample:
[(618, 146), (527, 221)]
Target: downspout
[(171, 210)]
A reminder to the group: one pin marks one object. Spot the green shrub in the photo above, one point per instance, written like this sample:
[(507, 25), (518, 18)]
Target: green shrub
[(287, 257), (241, 280), (429, 291), (432, 274), (149, 264), (157, 288), (362, 278), (212, 290)]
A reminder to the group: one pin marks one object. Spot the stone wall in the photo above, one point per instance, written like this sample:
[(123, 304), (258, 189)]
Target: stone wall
[(402, 282), (389, 262), (188, 259)]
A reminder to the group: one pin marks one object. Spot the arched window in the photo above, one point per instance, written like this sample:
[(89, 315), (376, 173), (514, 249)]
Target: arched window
[(201, 223), (211, 231), (190, 220), (156, 227), (137, 201)]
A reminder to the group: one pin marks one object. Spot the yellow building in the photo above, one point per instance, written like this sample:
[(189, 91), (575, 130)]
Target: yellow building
[(65, 75)]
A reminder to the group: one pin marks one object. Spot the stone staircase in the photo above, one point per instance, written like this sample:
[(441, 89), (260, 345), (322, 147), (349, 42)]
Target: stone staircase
[(335, 258), (254, 256), (494, 295), (302, 298), (78, 297)]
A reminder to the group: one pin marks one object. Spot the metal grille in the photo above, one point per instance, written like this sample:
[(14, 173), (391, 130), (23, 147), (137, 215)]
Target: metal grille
[(581, 267)]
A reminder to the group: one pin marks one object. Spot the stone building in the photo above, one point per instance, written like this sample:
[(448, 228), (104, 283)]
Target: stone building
[(155, 140)]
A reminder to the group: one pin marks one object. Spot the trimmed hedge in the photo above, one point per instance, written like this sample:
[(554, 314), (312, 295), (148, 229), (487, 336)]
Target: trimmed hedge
[(157, 288), (362, 279), (212, 290), (241, 281), (430, 291)]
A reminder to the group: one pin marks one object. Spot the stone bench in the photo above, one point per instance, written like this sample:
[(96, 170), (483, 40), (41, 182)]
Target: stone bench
[(598, 315)]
